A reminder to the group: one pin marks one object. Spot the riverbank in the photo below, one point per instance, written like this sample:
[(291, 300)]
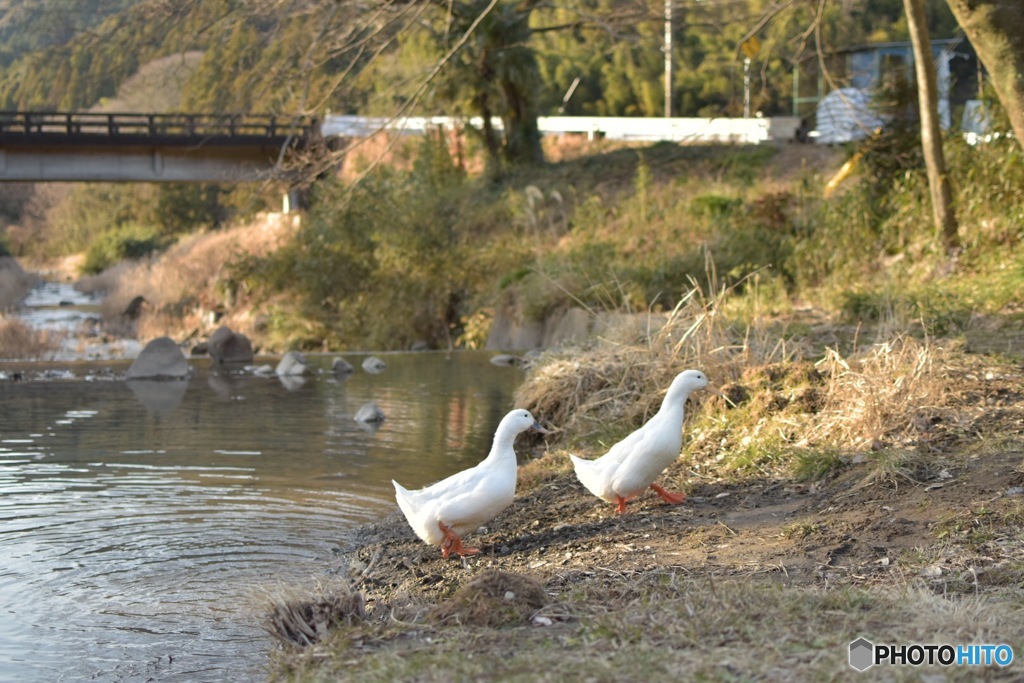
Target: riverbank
[(784, 552)]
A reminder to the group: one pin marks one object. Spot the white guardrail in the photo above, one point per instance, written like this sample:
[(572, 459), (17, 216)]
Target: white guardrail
[(750, 131)]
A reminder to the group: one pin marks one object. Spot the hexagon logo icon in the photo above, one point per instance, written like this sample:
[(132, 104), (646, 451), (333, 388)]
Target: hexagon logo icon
[(862, 654)]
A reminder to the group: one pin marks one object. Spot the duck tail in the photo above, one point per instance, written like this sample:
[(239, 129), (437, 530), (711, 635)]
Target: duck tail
[(404, 500), (587, 474)]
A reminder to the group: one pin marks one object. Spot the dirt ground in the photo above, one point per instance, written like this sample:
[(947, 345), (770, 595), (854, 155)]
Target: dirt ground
[(951, 520)]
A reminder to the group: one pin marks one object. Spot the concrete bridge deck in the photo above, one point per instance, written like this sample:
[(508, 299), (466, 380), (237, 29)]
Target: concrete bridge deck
[(136, 147)]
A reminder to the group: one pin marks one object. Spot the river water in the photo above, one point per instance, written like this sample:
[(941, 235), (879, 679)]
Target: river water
[(142, 525)]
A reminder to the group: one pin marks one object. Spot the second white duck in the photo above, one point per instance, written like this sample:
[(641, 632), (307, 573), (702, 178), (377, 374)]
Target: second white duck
[(442, 513), (632, 465)]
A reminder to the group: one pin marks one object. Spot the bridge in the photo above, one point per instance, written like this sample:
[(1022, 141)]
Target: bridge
[(131, 147)]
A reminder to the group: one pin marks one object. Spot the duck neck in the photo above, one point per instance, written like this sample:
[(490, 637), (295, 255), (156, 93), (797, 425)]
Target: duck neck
[(674, 403), (502, 446)]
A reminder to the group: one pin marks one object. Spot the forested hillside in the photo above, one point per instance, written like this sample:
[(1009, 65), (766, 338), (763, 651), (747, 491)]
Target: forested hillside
[(298, 55), (33, 26)]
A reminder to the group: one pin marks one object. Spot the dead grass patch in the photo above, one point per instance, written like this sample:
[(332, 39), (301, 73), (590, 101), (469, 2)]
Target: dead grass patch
[(185, 288), (494, 598), (21, 342), (307, 619), (14, 283), (623, 378), (790, 405)]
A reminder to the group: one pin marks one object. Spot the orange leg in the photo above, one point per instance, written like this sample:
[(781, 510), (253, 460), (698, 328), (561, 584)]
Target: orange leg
[(622, 504), (452, 544), (668, 496)]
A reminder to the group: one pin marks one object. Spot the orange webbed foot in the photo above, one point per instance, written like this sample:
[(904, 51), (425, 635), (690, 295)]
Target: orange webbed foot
[(669, 496), (452, 544)]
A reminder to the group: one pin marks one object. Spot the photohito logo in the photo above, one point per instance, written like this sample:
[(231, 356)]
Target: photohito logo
[(864, 654)]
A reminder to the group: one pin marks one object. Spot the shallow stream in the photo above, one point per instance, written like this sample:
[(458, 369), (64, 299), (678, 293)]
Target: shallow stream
[(143, 525)]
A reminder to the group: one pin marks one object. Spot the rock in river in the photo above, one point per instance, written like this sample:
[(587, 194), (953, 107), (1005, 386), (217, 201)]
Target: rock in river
[(293, 363), (160, 359), (227, 346)]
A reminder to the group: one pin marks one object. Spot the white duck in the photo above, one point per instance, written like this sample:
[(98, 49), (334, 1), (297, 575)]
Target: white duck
[(632, 465), (441, 513)]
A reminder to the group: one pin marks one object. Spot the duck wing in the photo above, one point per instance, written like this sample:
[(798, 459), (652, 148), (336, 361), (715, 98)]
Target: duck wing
[(470, 507), (463, 501)]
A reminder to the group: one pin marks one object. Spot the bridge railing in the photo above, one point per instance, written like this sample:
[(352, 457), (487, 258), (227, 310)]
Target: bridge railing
[(188, 128)]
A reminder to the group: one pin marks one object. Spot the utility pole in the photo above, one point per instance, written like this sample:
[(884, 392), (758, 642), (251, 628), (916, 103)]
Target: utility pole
[(746, 87), (668, 59)]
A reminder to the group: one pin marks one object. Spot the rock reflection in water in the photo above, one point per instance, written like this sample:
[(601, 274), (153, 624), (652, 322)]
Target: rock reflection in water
[(161, 397)]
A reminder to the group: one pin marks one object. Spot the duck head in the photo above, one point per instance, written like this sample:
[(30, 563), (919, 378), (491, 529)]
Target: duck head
[(520, 420), (689, 381)]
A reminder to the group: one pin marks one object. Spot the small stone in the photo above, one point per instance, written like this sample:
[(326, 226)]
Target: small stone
[(540, 620), (292, 364), (340, 366), (510, 596), (374, 365), (369, 413)]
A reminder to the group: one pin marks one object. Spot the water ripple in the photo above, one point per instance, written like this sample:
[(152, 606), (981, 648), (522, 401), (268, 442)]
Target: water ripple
[(138, 543)]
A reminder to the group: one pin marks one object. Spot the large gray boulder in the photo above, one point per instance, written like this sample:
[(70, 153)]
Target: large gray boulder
[(160, 359), (227, 346)]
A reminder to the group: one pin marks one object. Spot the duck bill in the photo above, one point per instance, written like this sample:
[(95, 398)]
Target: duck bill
[(714, 390), (537, 428)]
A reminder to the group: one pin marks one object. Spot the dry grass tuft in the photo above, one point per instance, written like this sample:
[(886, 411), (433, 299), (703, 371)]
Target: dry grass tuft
[(14, 283), (894, 389), (494, 598), (19, 341), (307, 620), (625, 379)]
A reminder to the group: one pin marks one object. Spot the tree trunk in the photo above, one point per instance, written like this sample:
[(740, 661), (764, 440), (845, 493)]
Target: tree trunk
[(996, 30), (522, 133), (931, 134)]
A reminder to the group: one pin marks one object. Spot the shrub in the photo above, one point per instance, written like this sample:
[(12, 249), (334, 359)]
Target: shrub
[(112, 246)]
